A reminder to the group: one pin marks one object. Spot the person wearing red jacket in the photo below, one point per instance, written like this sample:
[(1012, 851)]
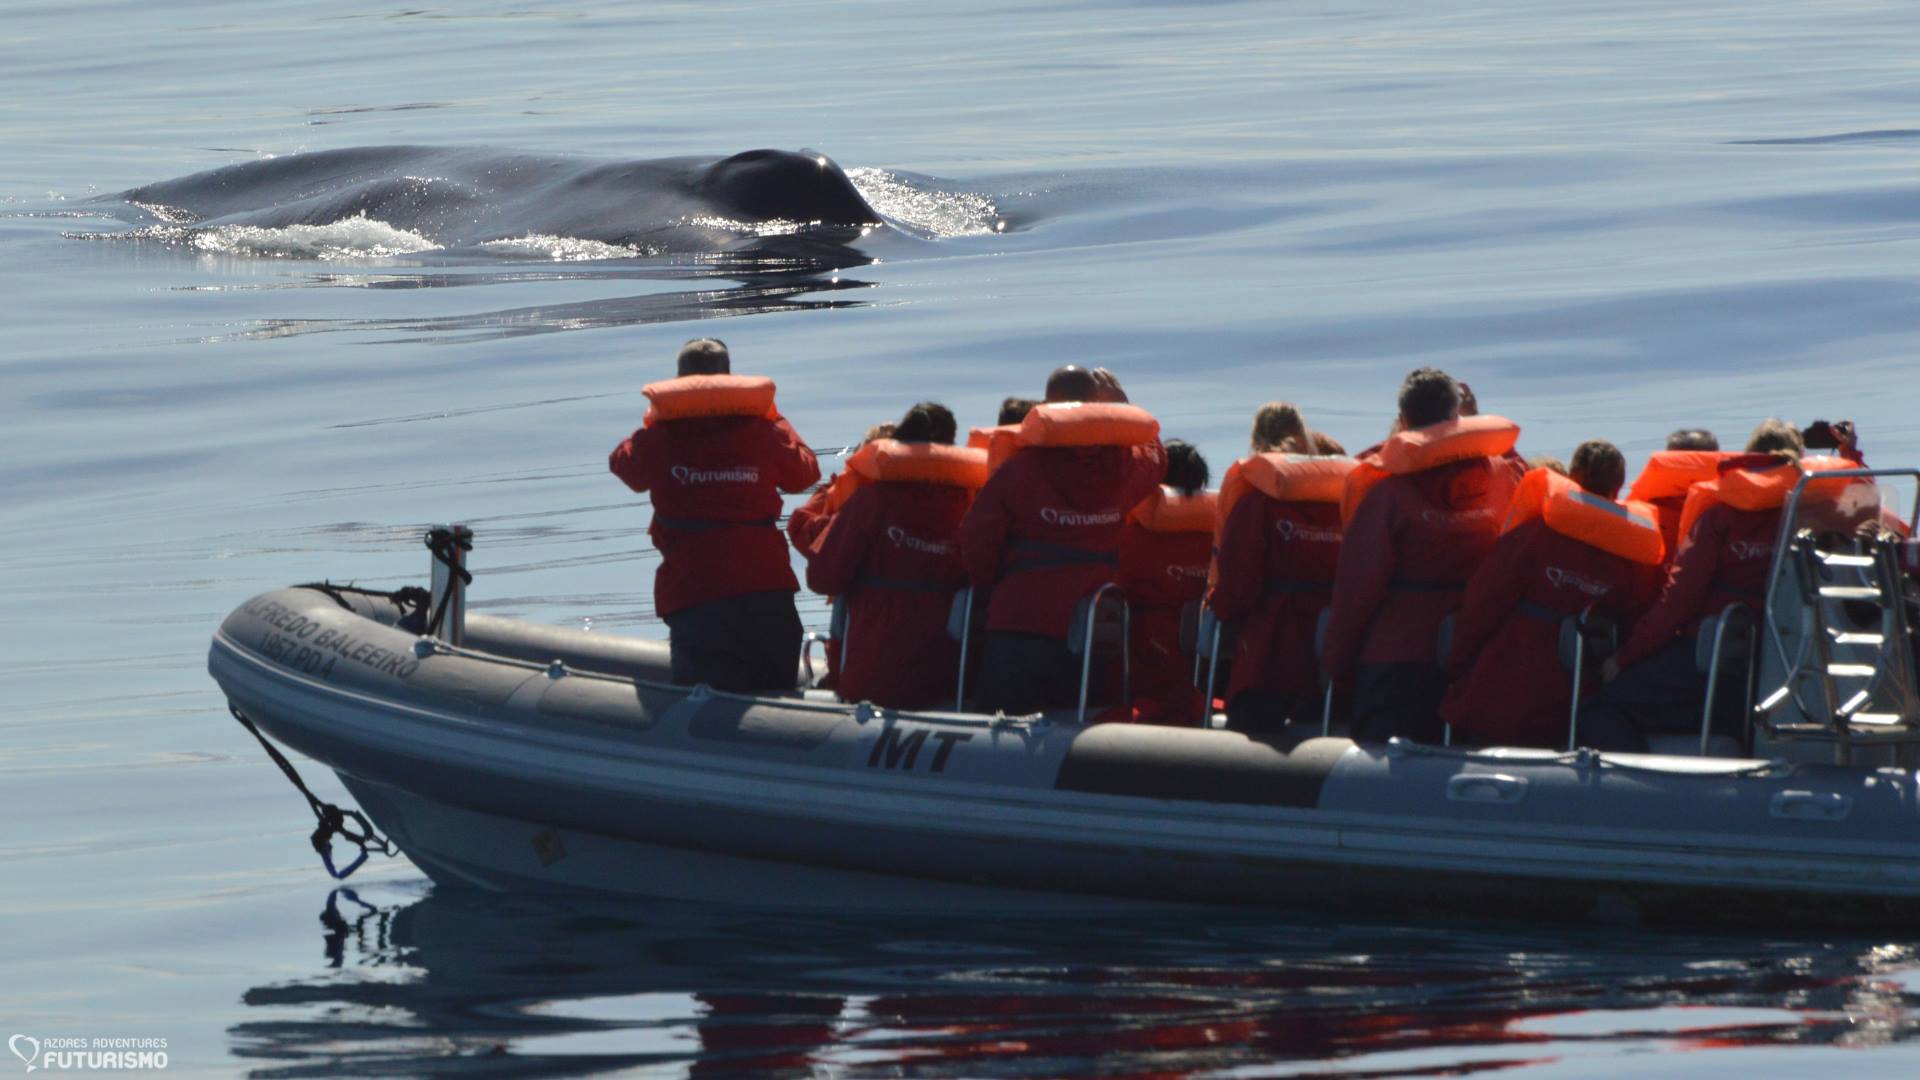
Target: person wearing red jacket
[(1430, 506), (1692, 456), (1274, 568), (892, 551), (810, 519), (1725, 555), (716, 455), (1043, 534), (1573, 556), (1164, 552)]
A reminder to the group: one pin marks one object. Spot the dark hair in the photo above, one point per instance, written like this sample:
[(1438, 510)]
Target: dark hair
[(927, 422), (1070, 382), (705, 356), (1693, 439), (1600, 467), (1015, 409), (1428, 396), (1186, 469), (1775, 436), (1324, 443)]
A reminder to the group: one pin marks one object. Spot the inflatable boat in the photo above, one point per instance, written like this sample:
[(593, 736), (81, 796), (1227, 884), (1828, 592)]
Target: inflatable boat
[(509, 756)]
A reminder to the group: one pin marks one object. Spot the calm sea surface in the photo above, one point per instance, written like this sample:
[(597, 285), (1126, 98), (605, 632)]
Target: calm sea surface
[(1612, 218)]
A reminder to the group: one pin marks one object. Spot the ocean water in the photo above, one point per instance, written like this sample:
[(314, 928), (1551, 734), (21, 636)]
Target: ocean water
[(1612, 219)]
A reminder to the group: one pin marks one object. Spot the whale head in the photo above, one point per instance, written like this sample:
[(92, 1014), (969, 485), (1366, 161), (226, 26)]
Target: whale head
[(780, 184)]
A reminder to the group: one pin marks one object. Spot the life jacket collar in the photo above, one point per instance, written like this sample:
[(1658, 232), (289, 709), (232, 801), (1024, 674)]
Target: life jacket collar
[(1669, 473), (693, 396), (1630, 530), (1088, 423), (1444, 443)]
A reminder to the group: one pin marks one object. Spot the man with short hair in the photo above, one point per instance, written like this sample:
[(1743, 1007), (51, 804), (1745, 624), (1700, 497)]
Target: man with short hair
[(1413, 541), (725, 584), (1655, 685), (1044, 533)]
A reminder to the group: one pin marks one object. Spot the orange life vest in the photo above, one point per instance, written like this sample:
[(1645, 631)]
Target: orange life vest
[(923, 463), (999, 443), (890, 461), (692, 396), (1285, 477), (1765, 488), (1630, 530), (1672, 472), (1168, 511), (1088, 423), (1427, 448)]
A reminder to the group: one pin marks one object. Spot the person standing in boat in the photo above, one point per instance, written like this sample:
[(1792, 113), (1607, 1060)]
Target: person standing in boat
[(1726, 551), (1692, 456), (1044, 532), (810, 519), (1278, 547), (892, 550), (1421, 511), (715, 455), (1568, 548), (1164, 552)]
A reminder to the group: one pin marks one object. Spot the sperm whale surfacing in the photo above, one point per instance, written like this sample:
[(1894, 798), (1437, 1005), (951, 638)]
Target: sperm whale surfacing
[(464, 197)]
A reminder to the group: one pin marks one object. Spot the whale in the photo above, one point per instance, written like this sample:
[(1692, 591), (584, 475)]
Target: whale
[(461, 197)]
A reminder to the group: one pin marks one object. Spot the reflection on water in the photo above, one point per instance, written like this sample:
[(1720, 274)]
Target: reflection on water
[(463, 982)]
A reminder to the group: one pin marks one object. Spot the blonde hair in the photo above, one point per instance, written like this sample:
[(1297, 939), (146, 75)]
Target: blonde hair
[(1777, 437), (1279, 426)]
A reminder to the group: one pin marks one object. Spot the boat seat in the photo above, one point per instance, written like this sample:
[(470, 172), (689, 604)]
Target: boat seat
[(1094, 625), (1214, 640), (1585, 638)]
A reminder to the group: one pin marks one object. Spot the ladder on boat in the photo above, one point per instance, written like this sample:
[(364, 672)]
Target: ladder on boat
[(1838, 665)]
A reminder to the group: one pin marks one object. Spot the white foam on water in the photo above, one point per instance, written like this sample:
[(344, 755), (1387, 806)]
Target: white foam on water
[(357, 237), (937, 213), (566, 248), (769, 227)]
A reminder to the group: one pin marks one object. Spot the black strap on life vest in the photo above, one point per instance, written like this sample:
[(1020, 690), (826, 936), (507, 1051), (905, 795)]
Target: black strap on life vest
[(1542, 612), (1027, 555), (875, 581), (696, 525), (1277, 586), (333, 821), (1410, 585)]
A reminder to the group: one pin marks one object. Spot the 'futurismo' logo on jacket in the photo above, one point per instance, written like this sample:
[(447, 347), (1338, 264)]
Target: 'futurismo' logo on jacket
[(1746, 550), (731, 474), (1567, 579), (1458, 519), (1307, 534), (1078, 517), (905, 539)]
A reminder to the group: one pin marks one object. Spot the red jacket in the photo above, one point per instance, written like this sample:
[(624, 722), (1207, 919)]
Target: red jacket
[(716, 484), (1162, 572), (809, 520), (1276, 568), (1409, 550), (892, 551), (1045, 531), (1508, 683), (1724, 560)]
